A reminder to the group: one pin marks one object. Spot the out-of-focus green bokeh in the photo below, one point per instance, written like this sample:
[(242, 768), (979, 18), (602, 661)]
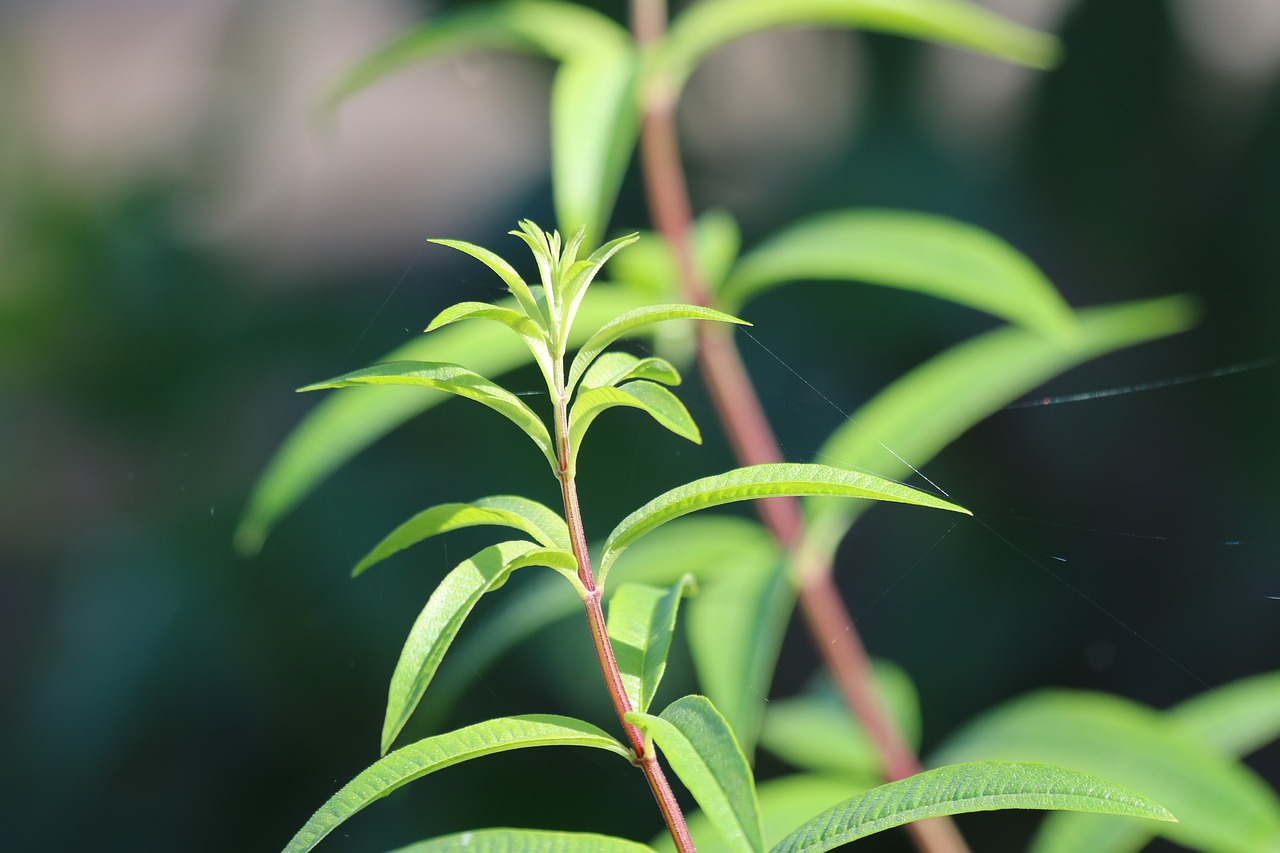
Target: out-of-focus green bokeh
[(183, 243)]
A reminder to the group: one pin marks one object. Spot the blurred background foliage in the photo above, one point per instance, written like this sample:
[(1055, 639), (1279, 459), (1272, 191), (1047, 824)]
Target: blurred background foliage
[(182, 244)]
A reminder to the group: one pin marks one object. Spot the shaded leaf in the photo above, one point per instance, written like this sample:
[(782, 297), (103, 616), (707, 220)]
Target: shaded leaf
[(1221, 804), (927, 409), (759, 481), (525, 841), (512, 511), (642, 619), (443, 615), (614, 368), (703, 752), (912, 251), (663, 406), (436, 753), (710, 24), (961, 789), (453, 379)]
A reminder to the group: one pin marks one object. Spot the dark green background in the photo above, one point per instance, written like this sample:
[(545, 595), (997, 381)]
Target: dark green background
[(157, 692)]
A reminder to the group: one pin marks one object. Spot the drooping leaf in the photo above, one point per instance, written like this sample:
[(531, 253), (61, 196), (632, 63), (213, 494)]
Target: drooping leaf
[(512, 511), (1236, 719), (642, 619), (519, 289), (443, 615), (614, 368), (710, 24), (960, 789), (759, 481), (703, 752), (816, 732), (1221, 805), (913, 251), (525, 841), (436, 753), (910, 421), (630, 321), (534, 336), (663, 406), (453, 379)]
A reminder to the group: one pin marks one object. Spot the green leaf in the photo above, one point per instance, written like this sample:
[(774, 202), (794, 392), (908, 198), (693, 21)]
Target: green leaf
[(924, 411), (519, 289), (453, 379), (613, 368), (585, 272), (710, 24), (649, 264), (534, 336), (436, 753), (630, 322), (913, 251), (443, 615), (343, 424), (703, 752), (1235, 719), (512, 511), (525, 841), (1221, 805), (642, 619), (816, 731), (960, 789), (663, 406), (759, 481)]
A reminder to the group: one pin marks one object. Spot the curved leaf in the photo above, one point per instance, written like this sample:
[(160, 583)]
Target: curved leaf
[(1221, 805), (913, 251), (584, 272), (931, 406), (519, 289), (663, 406), (960, 789), (703, 752), (519, 322), (613, 368), (650, 266), (512, 511), (443, 615), (628, 322), (713, 23), (759, 481), (436, 753), (642, 619), (453, 379), (525, 841)]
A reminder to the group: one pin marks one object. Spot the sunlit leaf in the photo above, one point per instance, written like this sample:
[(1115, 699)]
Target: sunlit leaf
[(436, 753), (710, 24), (1221, 805), (642, 619), (525, 841), (614, 368), (650, 266), (759, 481), (960, 789), (519, 289), (443, 615), (907, 423), (512, 511), (703, 752), (453, 379), (663, 406), (534, 336), (912, 251), (631, 321)]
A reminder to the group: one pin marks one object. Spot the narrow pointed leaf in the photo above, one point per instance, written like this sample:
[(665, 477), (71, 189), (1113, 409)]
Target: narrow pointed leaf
[(614, 368), (512, 511), (443, 615), (909, 422), (436, 753), (713, 23), (1221, 805), (585, 272), (642, 619), (634, 320), (912, 251), (663, 406), (534, 336), (760, 481), (525, 841), (703, 752), (519, 289), (960, 789), (453, 379)]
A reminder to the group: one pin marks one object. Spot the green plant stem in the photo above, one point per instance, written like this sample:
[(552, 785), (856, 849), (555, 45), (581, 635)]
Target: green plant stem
[(739, 410), (645, 759)]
